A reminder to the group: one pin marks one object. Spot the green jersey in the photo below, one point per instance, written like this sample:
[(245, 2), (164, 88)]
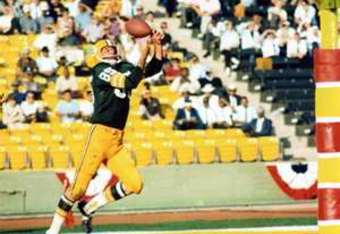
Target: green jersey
[(112, 85)]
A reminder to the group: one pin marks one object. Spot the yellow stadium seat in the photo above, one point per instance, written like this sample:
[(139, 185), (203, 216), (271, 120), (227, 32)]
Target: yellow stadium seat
[(164, 153), (18, 158), (60, 157), (32, 140), (3, 158), (248, 148), (234, 133), (159, 135), (38, 157), (4, 133), (206, 151), (269, 148), (184, 151), (22, 133), (215, 133), (76, 150), (143, 154), (40, 128), (227, 150), (11, 140), (162, 124), (53, 140), (179, 134)]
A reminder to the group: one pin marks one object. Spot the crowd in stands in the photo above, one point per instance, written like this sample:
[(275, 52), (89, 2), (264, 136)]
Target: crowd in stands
[(240, 30)]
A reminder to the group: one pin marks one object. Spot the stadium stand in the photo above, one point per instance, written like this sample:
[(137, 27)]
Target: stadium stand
[(284, 82)]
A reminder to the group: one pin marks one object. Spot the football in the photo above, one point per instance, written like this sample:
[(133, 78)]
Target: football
[(138, 28)]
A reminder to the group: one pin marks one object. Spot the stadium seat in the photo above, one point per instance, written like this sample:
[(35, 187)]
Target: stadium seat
[(32, 140), (143, 154), (184, 151), (22, 133), (164, 152), (206, 151), (215, 133), (37, 156), (227, 150), (60, 157), (11, 140), (3, 158), (53, 140), (42, 129), (17, 157), (234, 133), (269, 148), (248, 148), (4, 133)]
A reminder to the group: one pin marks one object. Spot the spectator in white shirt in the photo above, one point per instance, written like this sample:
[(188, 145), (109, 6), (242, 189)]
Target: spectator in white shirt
[(223, 114), (66, 82), (12, 114), (183, 81), (206, 9), (296, 47), (304, 13), (67, 109), (47, 38), (6, 20), (313, 38), (29, 108), (35, 9), (208, 90), (270, 45), (244, 113), (180, 102), (197, 70), (47, 65), (207, 114), (276, 13), (229, 43), (93, 31), (128, 7), (283, 34), (86, 106)]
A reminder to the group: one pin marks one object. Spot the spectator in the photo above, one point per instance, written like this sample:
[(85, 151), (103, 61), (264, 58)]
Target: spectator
[(233, 98), (197, 70), (187, 118), (42, 115), (270, 45), (56, 9), (283, 34), (86, 106), (304, 13), (212, 36), (167, 39), (29, 84), (27, 23), (261, 126), (223, 114), (17, 94), (150, 107), (46, 18), (207, 114), (66, 30), (47, 65), (26, 62), (6, 20), (185, 95), (183, 82), (47, 38), (172, 69), (29, 108), (35, 8), (66, 82), (129, 7), (296, 47), (12, 114), (244, 113), (67, 109), (83, 18), (206, 9), (93, 31), (213, 99), (276, 13), (150, 19), (229, 43)]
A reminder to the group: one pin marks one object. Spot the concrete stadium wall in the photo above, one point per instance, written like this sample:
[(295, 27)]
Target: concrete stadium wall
[(170, 187)]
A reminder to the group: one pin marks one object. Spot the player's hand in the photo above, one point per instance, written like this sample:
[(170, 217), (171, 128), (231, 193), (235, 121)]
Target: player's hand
[(3, 97), (157, 37)]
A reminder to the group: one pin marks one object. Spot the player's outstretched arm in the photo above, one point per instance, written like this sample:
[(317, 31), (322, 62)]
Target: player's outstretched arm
[(156, 64)]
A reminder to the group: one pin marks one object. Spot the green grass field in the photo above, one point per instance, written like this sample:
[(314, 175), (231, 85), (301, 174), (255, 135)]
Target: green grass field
[(181, 226)]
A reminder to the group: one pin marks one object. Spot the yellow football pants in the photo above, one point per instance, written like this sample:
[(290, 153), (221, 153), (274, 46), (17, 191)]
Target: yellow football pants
[(105, 145)]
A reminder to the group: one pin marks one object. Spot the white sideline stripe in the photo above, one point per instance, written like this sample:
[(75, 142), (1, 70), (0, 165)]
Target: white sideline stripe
[(264, 229), (329, 155), (329, 222), (329, 185), (333, 84), (328, 120)]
